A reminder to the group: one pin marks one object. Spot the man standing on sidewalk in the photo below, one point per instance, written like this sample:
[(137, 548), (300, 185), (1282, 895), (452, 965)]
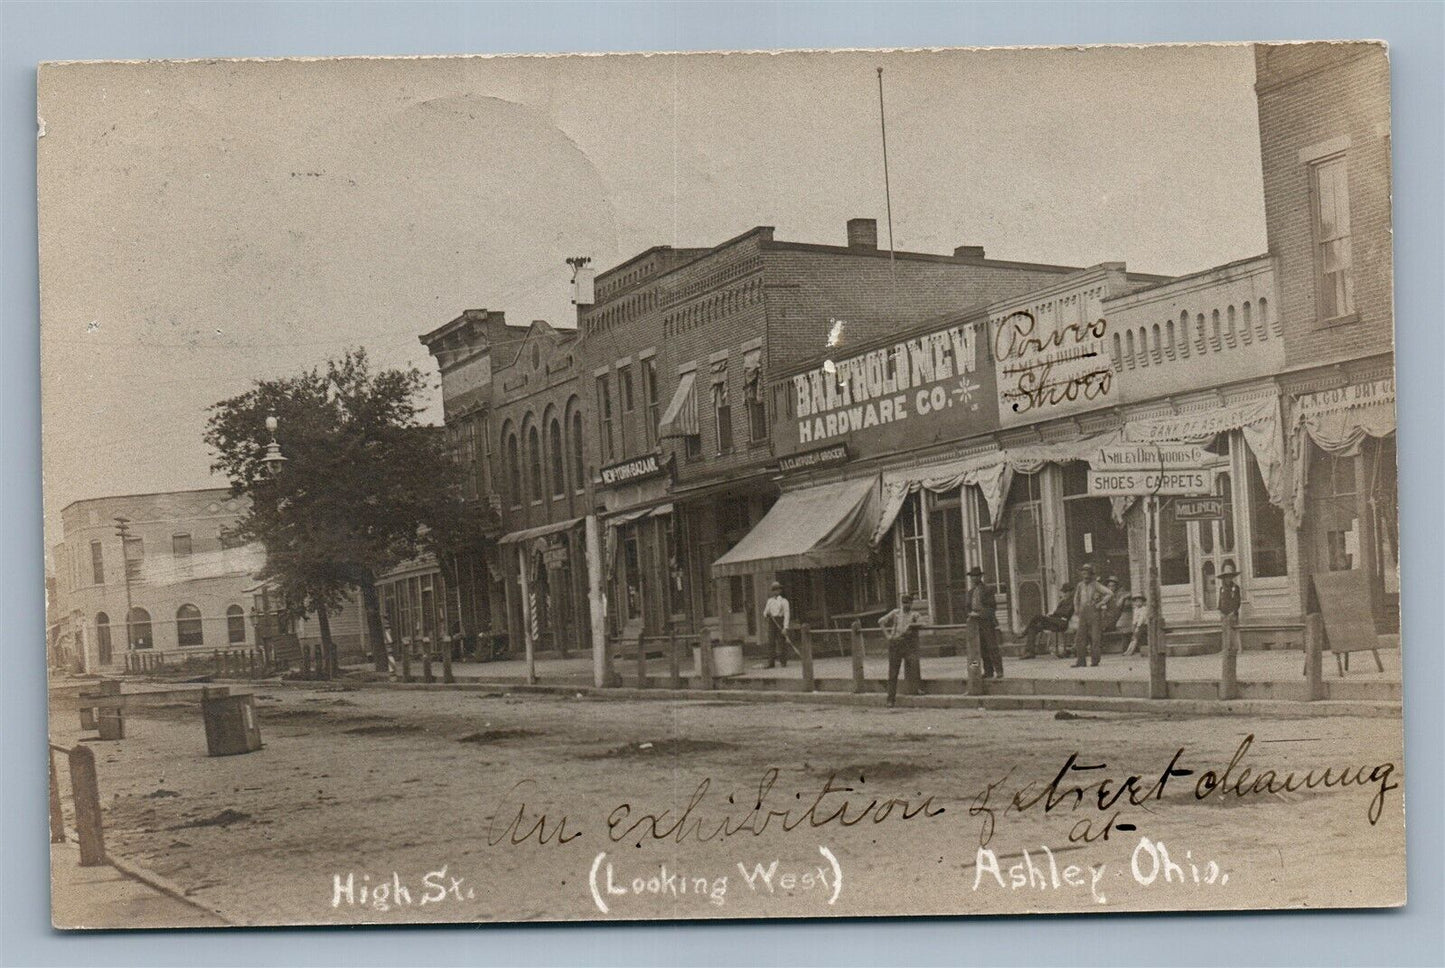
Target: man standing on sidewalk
[(1090, 598), (777, 615), (900, 628), (1229, 602), (983, 616)]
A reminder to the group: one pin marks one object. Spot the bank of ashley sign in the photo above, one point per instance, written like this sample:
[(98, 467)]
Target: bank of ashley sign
[(909, 393)]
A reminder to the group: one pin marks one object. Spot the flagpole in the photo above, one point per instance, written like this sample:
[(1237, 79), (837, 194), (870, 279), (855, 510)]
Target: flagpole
[(887, 193)]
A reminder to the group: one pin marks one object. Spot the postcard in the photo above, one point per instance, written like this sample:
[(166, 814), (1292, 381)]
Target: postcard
[(720, 485)]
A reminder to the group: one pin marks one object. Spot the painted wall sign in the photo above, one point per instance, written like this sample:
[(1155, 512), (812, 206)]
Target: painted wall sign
[(636, 469), (813, 459), (906, 395), (1343, 398), (1046, 371)]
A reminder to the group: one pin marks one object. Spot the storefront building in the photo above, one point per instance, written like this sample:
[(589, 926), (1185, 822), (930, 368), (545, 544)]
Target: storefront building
[(1324, 129), (678, 343), (981, 432)]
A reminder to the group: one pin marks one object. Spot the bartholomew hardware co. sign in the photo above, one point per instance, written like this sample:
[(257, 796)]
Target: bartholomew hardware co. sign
[(901, 396)]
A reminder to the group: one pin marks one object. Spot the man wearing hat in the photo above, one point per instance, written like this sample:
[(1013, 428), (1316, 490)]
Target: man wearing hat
[(900, 628), (777, 616), (1114, 608), (1229, 602), (983, 618), (1055, 621), (1090, 598)]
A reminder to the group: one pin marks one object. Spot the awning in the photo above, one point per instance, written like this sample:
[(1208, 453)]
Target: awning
[(815, 527), (1337, 420), (1257, 420), (680, 417), (517, 537)]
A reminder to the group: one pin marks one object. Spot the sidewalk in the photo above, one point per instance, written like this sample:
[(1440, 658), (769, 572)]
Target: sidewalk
[(106, 896)]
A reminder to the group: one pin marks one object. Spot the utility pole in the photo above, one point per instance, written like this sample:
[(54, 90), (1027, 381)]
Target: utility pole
[(122, 530), (887, 193)]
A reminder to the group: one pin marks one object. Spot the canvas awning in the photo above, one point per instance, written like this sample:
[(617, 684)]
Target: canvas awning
[(680, 417), (516, 537), (815, 527)]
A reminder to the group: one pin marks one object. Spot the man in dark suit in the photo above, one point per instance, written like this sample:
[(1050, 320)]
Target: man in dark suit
[(983, 617)]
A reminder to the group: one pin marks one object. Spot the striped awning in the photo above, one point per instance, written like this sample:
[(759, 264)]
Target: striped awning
[(680, 417), (814, 527)]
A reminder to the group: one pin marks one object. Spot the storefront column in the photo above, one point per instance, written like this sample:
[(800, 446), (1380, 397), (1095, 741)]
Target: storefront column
[(1057, 567), (597, 604)]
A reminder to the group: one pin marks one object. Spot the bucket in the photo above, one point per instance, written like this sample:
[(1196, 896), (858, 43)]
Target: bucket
[(727, 660)]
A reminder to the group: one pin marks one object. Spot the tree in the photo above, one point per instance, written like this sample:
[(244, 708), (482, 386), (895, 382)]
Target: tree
[(364, 485)]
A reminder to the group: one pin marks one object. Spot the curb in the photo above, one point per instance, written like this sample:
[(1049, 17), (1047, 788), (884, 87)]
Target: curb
[(1283, 708), (164, 886)]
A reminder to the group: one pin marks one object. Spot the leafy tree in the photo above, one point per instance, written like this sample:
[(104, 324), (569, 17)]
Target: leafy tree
[(364, 485)]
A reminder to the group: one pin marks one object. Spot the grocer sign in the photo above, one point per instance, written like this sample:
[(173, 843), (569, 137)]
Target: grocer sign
[(1181, 481), (911, 393)]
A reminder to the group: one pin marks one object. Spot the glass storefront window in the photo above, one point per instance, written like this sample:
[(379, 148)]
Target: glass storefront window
[(1173, 546), (909, 529), (631, 572), (1267, 528), (1335, 507), (950, 570), (1093, 536), (992, 547)]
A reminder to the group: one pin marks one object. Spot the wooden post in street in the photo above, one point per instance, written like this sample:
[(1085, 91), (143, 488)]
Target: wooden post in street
[(704, 654), (85, 792), (1229, 658), (597, 604), (805, 655), (856, 641), (1314, 657), (1158, 682), (674, 661)]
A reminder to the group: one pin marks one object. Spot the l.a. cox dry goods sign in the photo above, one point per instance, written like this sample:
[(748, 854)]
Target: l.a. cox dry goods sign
[(905, 395)]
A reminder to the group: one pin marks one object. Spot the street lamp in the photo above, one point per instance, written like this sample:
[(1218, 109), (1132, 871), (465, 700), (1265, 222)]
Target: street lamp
[(273, 458), (122, 530)]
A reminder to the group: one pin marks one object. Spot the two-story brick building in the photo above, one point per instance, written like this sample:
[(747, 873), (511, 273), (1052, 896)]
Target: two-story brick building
[(678, 345), (1324, 125)]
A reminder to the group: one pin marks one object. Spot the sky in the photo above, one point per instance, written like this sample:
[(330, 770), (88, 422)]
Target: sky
[(204, 225)]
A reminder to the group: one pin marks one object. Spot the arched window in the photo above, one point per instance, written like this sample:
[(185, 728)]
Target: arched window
[(102, 637), (1263, 318), (1229, 324), (1155, 348), (579, 462), (1246, 328), (1214, 327), (534, 462), (235, 625), (138, 629), (1199, 334), (1118, 351), (554, 458), (1143, 346), (188, 627), (1129, 343), (514, 471), (1169, 339), (1184, 333)]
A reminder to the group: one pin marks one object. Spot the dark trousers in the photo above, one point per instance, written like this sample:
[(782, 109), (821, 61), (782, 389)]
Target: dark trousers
[(777, 644), (1038, 625), (1089, 640), (988, 651), (903, 651)]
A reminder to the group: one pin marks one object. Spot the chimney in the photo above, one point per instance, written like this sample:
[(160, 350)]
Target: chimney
[(973, 253), (862, 233)]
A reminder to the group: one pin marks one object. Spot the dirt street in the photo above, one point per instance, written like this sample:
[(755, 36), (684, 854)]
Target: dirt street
[(391, 806)]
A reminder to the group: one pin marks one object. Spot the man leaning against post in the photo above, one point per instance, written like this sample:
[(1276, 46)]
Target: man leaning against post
[(983, 617), (900, 628)]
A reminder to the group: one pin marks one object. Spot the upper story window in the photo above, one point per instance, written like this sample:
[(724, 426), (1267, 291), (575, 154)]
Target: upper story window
[(628, 401), (604, 415), (1329, 184), (235, 625), (514, 471), (579, 462), (554, 458), (534, 463), (135, 554), (650, 400), (723, 411), (181, 545), (97, 563), (753, 397)]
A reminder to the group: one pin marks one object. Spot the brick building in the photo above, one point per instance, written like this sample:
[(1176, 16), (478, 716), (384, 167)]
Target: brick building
[(678, 344), (1324, 124)]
